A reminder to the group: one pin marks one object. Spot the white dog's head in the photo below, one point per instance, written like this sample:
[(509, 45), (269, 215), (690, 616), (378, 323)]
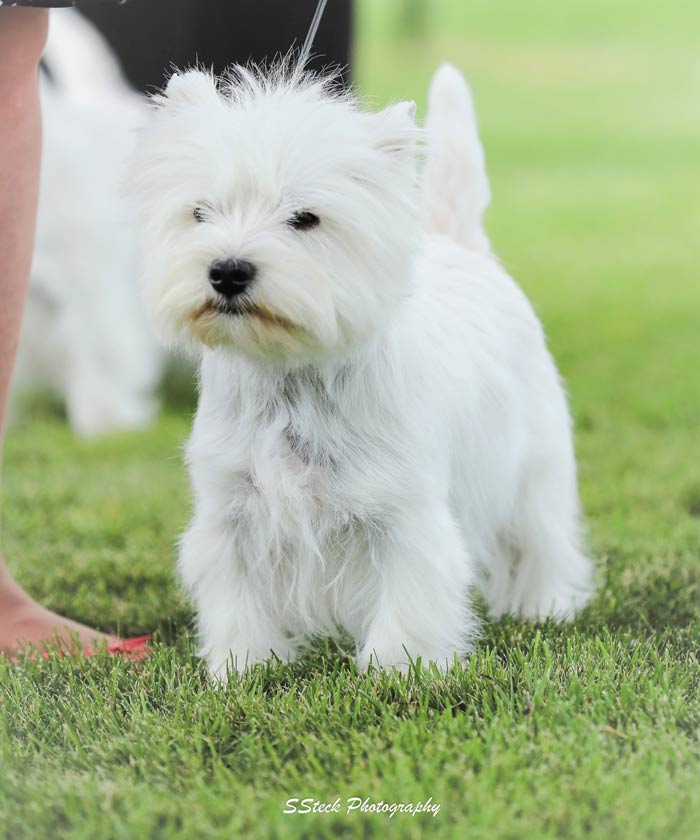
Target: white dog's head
[(279, 217)]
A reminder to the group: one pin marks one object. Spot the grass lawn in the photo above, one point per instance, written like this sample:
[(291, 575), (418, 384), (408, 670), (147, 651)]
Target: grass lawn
[(591, 123)]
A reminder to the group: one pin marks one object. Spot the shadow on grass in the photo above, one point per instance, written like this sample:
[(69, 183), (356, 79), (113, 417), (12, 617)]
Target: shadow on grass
[(38, 405), (661, 602), (178, 390)]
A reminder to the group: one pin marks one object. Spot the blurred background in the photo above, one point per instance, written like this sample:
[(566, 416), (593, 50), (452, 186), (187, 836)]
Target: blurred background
[(589, 117), (151, 36)]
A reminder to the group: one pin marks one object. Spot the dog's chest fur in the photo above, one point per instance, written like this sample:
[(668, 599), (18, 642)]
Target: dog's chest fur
[(300, 456), (313, 423), (290, 471)]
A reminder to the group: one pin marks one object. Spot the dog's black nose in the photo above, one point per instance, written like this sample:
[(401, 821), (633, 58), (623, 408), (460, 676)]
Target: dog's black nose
[(231, 277)]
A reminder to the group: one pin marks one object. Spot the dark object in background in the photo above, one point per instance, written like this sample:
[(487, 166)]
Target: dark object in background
[(150, 36)]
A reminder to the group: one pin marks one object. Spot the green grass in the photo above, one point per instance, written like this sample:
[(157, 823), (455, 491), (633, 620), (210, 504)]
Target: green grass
[(589, 114)]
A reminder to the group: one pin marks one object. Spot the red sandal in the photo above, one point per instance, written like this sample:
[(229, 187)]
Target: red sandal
[(132, 649)]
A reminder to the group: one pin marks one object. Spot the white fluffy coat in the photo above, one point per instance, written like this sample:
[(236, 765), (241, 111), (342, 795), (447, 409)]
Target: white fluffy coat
[(381, 427)]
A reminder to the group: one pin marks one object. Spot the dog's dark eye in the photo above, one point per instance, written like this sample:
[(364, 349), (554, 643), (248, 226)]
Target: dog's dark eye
[(199, 214), (304, 220)]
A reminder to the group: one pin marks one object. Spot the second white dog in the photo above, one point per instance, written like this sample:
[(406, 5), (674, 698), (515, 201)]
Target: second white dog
[(84, 334), (381, 426)]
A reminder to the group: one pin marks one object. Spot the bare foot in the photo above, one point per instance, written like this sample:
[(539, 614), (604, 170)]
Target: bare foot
[(24, 624)]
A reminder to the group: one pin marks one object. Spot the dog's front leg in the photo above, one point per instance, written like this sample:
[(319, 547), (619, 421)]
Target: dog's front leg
[(422, 607), (237, 623)]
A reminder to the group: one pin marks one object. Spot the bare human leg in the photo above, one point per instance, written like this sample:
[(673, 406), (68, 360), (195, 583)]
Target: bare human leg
[(22, 35)]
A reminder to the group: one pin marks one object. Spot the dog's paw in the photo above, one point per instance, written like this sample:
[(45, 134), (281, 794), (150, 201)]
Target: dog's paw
[(224, 662), (402, 659), (560, 605), (221, 667)]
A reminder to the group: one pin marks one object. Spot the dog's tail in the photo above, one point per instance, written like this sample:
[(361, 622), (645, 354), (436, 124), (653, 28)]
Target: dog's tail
[(457, 189)]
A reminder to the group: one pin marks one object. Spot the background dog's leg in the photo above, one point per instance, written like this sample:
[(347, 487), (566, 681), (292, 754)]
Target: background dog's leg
[(96, 405), (237, 625), (422, 608)]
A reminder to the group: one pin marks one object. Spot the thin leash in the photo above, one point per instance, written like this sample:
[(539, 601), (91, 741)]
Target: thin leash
[(311, 35)]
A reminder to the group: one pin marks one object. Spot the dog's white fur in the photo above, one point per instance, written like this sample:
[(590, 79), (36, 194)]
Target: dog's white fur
[(84, 334), (383, 428)]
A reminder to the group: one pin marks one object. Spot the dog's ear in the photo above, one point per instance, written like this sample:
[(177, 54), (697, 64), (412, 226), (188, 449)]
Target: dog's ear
[(396, 132), (191, 87)]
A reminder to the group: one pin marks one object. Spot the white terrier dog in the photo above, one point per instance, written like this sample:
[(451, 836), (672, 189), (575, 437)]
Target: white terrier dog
[(84, 334), (380, 426)]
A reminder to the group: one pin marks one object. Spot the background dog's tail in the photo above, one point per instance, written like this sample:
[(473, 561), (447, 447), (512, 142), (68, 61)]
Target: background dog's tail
[(79, 61), (456, 185)]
